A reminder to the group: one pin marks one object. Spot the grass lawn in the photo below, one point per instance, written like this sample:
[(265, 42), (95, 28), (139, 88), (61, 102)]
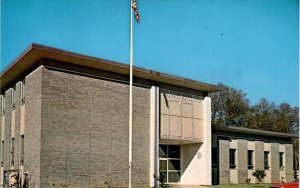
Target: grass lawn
[(262, 185)]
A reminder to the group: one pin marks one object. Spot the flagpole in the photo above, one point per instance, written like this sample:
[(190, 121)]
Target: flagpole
[(130, 94)]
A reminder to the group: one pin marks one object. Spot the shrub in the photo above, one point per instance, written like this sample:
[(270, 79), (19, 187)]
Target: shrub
[(162, 178), (259, 175)]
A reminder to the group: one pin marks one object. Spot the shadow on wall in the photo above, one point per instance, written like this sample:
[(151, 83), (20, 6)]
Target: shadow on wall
[(189, 152)]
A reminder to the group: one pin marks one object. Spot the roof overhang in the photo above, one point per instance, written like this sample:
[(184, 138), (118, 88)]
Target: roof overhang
[(254, 131), (35, 52)]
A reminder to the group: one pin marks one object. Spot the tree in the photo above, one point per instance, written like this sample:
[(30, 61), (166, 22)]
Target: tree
[(263, 115), (230, 107)]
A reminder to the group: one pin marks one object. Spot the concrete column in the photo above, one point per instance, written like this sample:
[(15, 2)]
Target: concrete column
[(7, 129), (288, 166), (242, 148), (17, 125), (224, 162), (2, 121), (206, 147), (258, 156), (154, 134), (274, 163)]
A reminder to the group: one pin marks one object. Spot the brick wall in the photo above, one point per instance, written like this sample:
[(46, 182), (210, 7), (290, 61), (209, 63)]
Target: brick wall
[(85, 132), (33, 122)]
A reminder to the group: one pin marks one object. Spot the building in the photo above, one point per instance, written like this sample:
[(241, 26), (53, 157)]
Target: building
[(65, 122), (237, 152)]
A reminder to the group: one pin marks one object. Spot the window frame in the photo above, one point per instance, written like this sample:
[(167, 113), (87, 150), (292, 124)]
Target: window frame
[(22, 149), (281, 160), (232, 158), (250, 159), (13, 97), (3, 105), (23, 92), (168, 159), (266, 160), (2, 153), (12, 152)]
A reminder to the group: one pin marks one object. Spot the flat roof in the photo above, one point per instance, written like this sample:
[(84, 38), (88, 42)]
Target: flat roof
[(254, 131), (35, 52)]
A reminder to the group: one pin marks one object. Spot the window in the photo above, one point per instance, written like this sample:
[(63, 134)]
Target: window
[(266, 160), (232, 158), (2, 153), (22, 150), (3, 105), (23, 91), (13, 97), (250, 159), (281, 155), (12, 152), (214, 158), (169, 162)]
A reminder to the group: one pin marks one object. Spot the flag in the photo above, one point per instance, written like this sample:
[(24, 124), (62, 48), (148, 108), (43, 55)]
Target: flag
[(134, 7)]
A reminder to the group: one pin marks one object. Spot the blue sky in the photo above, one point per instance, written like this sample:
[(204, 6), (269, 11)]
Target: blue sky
[(247, 44)]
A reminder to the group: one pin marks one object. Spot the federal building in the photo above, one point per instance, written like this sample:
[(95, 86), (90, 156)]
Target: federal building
[(64, 121)]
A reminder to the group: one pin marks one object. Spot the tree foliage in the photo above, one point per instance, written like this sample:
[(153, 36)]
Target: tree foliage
[(231, 107)]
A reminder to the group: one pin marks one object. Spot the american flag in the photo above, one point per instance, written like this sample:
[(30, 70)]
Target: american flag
[(134, 7)]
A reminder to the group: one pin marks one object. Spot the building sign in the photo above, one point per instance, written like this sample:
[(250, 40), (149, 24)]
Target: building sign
[(181, 116)]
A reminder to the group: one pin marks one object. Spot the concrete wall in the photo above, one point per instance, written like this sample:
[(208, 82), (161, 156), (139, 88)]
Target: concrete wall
[(288, 162), (196, 158), (13, 126), (85, 132), (274, 163), (224, 172), (258, 157), (242, 160), (241, 172), (181, 116)]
